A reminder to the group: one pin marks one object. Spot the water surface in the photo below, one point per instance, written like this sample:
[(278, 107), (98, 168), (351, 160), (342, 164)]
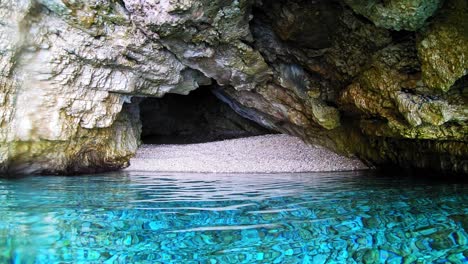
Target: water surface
[(137, 217)]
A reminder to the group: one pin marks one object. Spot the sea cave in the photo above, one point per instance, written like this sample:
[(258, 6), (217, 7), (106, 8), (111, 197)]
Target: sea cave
[(244, 131)]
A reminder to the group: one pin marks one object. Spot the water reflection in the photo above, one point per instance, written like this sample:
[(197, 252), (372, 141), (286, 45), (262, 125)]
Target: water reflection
[(231, 218)]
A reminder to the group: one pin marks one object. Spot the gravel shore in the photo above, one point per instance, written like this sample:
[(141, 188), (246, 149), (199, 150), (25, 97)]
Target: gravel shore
[(262, 154)]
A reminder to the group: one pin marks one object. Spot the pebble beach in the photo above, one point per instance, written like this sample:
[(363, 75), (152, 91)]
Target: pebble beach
[(259, 154)]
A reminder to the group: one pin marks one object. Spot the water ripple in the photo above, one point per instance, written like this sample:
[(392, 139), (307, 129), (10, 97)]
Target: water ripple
[(135, 217)]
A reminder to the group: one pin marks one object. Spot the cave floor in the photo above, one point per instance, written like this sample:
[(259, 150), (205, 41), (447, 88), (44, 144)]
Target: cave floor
[(259, 154)]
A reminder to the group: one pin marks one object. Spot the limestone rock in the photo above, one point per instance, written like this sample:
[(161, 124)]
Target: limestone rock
[(88, 151), (389, 89), (66, 77), (309, 24), (443, 47), (208, 35), (396, 14), (392, 90)]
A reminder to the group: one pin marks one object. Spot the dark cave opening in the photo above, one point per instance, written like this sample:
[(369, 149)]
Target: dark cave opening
[(194, 118)]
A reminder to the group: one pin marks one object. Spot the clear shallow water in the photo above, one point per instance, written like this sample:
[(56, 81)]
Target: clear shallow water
[(194, 218)]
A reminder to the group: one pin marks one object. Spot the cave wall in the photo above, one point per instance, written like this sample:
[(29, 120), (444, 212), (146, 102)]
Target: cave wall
[(381, 80), (368, 89)]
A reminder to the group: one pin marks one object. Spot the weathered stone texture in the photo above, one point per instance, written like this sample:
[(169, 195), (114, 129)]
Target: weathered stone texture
[(206, 35), (396, 14), (443, 46), (390, 90), (67, 77)]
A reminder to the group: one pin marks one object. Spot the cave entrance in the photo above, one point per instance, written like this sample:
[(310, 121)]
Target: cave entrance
[(194, 118)]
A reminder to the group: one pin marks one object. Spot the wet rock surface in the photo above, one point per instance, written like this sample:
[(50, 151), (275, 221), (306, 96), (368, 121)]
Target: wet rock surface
[(385, 82)]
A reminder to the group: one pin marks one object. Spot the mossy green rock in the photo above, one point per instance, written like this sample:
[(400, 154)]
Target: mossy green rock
[(443, 46), (387, 90), (396, 14)]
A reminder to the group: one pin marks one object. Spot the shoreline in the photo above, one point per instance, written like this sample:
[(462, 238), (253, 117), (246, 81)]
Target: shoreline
[(259, 154)]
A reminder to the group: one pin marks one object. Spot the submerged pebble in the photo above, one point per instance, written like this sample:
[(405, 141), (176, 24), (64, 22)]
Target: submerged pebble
[(221, 218)]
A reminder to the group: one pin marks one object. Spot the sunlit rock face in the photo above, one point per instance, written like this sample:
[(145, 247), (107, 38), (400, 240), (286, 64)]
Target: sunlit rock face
[(67, 70), (385, 81)]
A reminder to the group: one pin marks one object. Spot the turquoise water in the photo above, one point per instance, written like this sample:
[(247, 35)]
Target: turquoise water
[(196, 218)]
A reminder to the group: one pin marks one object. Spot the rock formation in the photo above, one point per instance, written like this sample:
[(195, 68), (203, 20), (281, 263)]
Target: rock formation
[(385, 81)]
